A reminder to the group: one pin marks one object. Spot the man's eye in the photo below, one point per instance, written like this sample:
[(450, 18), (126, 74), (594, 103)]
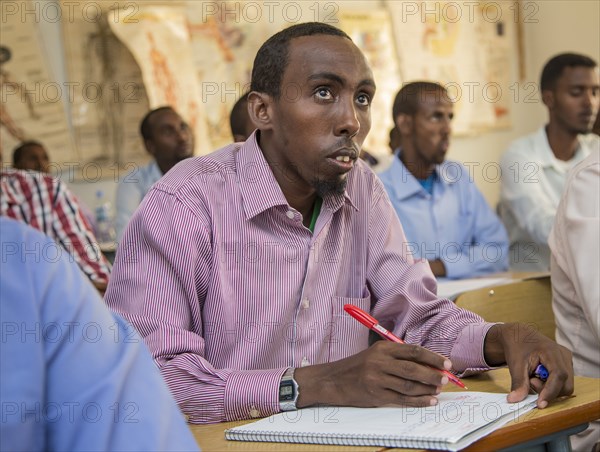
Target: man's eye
[(324, 94), (363, 99)]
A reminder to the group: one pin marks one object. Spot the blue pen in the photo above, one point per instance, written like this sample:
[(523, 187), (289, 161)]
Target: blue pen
[(541, 372)]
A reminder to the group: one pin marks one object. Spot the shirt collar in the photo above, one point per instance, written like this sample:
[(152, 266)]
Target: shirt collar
[(405, 185), (260, 190), (542, 152)]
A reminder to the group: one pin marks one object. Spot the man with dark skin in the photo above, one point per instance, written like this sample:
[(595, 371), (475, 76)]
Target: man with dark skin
[(31, 155), (445, 217), (535, 167), (167, 137), (312, 119), (169, 140)]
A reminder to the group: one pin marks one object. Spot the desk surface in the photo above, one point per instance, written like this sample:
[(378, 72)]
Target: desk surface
[(560, 415)]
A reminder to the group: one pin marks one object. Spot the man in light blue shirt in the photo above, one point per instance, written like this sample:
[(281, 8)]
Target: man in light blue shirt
[(73, 375), (445, 217), (168, 139)]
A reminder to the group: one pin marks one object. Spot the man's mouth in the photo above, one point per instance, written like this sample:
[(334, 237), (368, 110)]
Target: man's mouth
[(343, 158)]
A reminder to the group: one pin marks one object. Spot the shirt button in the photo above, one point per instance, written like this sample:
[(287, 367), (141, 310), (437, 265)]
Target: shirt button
[(254, 412), (290, 214), (305, 362), (305, 303)]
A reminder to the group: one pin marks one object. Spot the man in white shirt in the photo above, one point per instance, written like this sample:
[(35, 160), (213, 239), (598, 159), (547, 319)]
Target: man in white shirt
[(534, 168), (168, 139), (575, 244)]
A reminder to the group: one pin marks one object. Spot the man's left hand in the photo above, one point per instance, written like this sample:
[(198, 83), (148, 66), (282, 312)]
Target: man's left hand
[(522, 348)]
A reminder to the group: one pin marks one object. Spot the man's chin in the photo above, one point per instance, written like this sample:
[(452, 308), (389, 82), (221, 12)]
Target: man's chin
[(331, 187)]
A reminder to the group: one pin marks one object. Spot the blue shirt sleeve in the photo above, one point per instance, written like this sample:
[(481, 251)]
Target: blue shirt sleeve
[(74, 376)]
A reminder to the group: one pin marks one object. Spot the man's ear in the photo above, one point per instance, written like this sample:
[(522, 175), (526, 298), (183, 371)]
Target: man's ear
[(404, 123), (548, 98), (260, 110)]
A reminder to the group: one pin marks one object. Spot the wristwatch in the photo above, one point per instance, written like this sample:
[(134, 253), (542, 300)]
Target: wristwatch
[(288, 391)]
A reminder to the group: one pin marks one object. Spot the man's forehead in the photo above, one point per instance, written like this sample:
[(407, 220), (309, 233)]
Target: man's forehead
[(164, 117), (434, 99), (579, 75), (324, 54)]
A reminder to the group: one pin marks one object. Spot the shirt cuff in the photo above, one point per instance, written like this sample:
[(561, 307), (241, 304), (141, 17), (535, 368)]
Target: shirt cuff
[(467, 354), (252, 393)]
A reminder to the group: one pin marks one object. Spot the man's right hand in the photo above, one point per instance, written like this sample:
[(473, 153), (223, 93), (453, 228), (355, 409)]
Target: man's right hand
[(386, 373)]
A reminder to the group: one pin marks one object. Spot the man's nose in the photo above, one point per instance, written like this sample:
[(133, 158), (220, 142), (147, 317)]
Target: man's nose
[(447, 126), (592, 100), (348, 123), (184, 134)]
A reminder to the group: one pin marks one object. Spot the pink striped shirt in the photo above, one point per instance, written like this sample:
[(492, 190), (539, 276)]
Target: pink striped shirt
[(229, 289), (44, 203)]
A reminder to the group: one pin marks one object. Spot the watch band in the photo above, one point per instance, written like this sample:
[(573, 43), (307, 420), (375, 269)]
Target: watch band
[(288, 391)]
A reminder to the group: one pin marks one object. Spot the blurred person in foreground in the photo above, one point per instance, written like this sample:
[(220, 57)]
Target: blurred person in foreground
[(575, 260), (74, 376)]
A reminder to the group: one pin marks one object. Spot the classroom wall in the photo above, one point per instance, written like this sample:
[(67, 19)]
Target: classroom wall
[(550, 27)]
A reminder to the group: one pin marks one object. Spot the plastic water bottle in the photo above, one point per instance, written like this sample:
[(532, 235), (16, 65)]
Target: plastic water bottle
[(106, 233)]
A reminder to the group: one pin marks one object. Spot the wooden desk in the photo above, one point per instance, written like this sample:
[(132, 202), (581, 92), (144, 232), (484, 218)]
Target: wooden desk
[(560, 415), (527, 301)]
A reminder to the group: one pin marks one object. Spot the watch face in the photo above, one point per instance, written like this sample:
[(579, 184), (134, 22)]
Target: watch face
[(286, 391)]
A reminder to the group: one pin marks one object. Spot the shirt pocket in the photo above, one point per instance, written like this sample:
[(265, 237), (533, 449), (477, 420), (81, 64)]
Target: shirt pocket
[(348, 336)]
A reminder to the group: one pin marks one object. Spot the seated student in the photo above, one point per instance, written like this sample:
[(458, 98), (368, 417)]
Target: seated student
[(237, 265), (534, 168), (575, 245), (73, 376), (168, 138), (44, 202), (445, 217), (32, 155), (239, 120)]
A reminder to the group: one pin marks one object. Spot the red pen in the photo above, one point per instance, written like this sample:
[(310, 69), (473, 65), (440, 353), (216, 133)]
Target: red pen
[(372, 323)]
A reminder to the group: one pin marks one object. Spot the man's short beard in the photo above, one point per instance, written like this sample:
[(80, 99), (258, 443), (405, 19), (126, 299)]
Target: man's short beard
[(328, 187)]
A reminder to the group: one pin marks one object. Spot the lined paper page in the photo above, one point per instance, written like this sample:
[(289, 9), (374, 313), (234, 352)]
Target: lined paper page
[(457, 415)]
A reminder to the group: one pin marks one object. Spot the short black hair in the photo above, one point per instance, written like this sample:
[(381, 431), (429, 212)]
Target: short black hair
[(21, 148), (408, 98), (239, 116), (145, 128), (555, 66), (272, 58)]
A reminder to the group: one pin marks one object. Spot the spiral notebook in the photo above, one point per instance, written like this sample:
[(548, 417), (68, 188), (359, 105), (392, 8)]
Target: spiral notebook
[(459, 419)]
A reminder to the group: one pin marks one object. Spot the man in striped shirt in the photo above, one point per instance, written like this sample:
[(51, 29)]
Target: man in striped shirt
[(45, 203), (237, 265)]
